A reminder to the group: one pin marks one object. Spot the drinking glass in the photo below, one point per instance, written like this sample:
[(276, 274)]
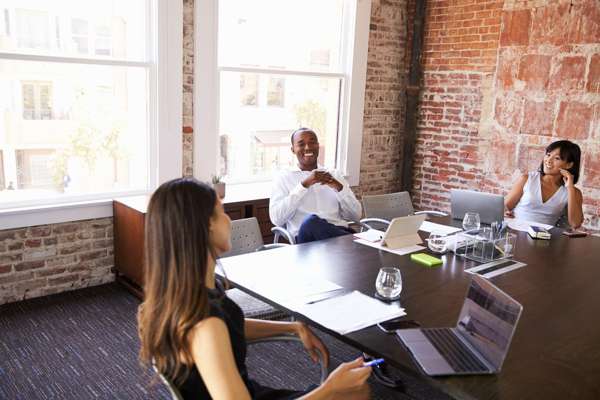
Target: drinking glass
[(471, 221), (389, 283), (437, 242)]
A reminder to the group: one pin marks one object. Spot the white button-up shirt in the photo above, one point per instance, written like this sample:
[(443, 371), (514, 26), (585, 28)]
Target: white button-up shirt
[(291, 202)]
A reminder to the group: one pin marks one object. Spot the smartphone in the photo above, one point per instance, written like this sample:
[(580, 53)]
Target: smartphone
[(574, 233), (393, 325)]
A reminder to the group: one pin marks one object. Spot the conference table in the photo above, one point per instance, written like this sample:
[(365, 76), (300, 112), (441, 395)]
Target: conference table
[(555, 351)]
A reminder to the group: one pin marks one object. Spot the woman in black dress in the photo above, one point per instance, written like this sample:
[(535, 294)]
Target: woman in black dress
[(194, 333)]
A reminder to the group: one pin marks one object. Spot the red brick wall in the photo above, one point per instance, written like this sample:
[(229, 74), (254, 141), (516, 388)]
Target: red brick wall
[(501, 81), (46, 259), (381, 161)]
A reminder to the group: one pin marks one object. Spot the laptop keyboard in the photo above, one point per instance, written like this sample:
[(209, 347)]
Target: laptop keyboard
[(453, 350)]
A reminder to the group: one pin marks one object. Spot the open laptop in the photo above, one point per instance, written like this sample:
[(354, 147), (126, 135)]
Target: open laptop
[(479, 342), (402, 232), (490, 207)]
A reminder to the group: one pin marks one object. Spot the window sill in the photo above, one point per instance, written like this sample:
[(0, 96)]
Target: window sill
[(54, 214)]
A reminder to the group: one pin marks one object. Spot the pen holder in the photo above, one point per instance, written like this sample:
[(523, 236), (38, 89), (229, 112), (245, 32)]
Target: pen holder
[(481, 245)]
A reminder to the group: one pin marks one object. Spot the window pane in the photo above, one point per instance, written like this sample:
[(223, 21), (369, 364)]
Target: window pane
[(255, 141), (79, 130), (248, 89), (2, 181), (39, 27), (301, 34)]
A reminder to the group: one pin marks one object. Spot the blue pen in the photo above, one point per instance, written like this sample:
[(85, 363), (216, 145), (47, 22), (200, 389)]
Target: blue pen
[(374, 362)]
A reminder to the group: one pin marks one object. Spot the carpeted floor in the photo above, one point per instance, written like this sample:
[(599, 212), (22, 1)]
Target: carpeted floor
[(83, 345)]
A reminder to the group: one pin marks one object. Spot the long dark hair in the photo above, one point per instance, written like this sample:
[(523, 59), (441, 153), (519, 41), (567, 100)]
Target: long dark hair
[(177, 248), (569, 152)]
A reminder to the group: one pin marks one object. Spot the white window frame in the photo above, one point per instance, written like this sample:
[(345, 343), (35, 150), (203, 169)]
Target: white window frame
[(206, 90), (165, 122)]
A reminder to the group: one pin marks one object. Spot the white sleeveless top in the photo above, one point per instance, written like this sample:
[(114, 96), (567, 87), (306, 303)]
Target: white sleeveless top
[(532, 208)]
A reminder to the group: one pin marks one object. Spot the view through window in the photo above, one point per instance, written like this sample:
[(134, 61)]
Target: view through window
[(74, 99), (277, 74)]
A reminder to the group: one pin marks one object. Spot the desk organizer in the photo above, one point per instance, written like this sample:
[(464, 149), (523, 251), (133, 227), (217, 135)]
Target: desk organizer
[(481, 246)]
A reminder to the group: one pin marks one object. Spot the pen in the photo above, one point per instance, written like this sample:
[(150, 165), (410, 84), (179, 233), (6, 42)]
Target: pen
[(374, 362)]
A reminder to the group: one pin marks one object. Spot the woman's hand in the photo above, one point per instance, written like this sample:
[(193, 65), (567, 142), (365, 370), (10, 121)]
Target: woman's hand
[(312, 343), (567, 178), (348, 377)]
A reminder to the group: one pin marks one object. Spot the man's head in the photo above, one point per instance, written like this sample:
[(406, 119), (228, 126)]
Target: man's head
[(305, 145)]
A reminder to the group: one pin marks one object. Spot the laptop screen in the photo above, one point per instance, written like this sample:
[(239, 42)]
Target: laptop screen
[(488, 320)]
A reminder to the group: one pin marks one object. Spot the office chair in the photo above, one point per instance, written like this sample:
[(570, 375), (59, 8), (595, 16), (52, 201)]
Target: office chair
[(281, 232), (382, 208), (176, 395), (246, 237)]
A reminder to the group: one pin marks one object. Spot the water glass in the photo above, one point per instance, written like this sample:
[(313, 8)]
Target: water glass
[(437, 242), (389, 283), (471, 221)]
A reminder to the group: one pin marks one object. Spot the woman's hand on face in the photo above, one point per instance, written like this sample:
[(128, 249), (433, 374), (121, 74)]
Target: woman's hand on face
[(567, 177), (312, 343), (348, 377)]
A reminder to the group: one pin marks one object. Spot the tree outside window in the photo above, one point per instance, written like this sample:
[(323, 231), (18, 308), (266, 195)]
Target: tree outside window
[(275, 92)]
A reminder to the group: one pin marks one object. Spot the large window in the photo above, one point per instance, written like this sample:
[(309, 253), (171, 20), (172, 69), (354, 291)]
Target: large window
[(274, 74), (81, 92)]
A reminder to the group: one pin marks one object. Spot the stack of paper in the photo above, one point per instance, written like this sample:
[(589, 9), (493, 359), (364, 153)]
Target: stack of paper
[(429, 227), (348, 312), (523, 226)]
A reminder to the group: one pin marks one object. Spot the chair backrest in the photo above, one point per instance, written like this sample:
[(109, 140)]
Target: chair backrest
[(245, 237), (175, 394), (388, 206)]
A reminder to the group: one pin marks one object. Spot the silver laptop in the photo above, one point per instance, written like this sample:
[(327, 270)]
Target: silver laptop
[(490, 207), (479, 342)]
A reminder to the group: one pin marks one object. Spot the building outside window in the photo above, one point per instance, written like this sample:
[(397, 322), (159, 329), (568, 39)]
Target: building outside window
[(78, 100), (292, 76), (37, 100)]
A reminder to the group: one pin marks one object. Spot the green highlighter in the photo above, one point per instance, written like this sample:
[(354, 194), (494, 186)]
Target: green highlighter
[(425, 259)]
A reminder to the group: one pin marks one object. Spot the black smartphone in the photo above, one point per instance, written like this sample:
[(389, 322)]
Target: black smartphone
[(393, 325)]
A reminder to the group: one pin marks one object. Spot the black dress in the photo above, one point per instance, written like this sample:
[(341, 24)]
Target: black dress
[(224, 308)]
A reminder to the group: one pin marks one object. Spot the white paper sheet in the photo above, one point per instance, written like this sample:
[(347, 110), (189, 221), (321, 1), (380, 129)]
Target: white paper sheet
[(371, 235), (429, 227), (349, 312), (401, 252), (523, 226)]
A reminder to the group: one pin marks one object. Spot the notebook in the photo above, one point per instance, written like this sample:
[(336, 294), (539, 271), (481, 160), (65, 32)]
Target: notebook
[(479, 342)]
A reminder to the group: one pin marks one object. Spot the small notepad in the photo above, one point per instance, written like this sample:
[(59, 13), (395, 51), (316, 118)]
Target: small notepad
[(425, 259)]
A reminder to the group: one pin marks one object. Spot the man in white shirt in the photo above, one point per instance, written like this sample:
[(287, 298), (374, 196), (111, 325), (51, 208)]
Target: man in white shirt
[(310, 202)]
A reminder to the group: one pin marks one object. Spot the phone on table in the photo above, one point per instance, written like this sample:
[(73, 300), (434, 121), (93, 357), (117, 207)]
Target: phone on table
[(393, 325), (574, 233)]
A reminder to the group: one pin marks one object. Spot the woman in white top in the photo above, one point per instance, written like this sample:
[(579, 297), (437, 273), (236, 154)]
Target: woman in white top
[(544, 195)]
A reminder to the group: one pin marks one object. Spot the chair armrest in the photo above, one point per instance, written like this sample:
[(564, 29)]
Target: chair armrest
[(432, 212), (272, 246), (279, 231), (175, 394), (289, 338), (365, 222)]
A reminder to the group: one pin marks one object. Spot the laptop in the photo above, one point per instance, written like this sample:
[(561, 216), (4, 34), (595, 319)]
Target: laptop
[(479, 342), (402, 232), (490, 207)]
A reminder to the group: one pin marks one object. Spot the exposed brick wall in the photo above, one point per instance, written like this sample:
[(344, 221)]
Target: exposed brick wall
[(494, 98), (381, 161), (188, 87), (46, 259)]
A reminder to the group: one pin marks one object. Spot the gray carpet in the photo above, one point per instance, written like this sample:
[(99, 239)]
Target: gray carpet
[(83, 345)]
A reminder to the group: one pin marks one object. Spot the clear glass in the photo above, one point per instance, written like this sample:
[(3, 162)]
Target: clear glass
[(437, 242), (112, 29), (389, 282), (258, 113), (301, 34), (69, 129), (471, 221)]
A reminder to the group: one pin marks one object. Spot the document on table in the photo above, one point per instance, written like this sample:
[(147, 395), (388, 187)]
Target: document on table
[(429, 227), (523, 225), (349, 312), (371, 235), (378, 245)]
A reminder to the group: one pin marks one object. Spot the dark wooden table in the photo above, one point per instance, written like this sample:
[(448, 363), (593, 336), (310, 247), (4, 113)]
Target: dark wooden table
[(555, 353)]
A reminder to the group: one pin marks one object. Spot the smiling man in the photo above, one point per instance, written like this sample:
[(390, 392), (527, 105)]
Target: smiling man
[(309, 201)]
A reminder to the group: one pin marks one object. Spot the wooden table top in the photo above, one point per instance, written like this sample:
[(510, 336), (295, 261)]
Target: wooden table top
[(555, 352)]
